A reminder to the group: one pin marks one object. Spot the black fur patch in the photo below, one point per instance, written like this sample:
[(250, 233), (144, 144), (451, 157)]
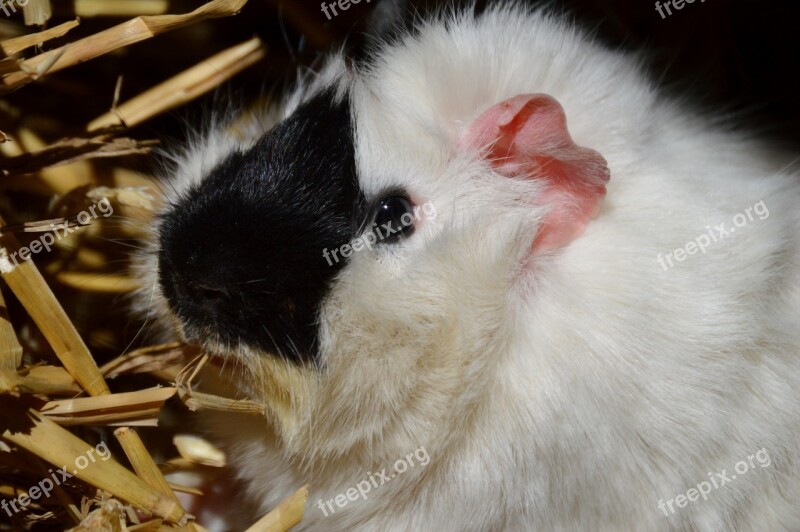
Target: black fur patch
[(241, 258)]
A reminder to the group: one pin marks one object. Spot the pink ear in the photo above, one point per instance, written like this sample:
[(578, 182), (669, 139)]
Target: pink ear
[(526, 136)]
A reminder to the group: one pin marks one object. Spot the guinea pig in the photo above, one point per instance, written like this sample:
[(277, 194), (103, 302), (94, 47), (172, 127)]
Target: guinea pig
[(486, 277)]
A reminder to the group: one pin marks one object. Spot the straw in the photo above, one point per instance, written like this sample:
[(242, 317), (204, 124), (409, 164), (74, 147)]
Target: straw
[(125, 34), (37, 12), (30, 288), (105, 474), (116, 8), (18, 44), (184, 87), (285, 516), (55, 162)]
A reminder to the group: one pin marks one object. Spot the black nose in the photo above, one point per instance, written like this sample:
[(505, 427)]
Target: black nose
[(204, 295), (200, 288), (212, 296)]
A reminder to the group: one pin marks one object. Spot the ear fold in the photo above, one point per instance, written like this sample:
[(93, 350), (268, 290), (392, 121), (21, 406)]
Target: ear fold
[(527, 137)]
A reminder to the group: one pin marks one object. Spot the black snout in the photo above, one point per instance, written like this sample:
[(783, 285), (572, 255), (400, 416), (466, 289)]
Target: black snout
[(258, 288), (241, 254)]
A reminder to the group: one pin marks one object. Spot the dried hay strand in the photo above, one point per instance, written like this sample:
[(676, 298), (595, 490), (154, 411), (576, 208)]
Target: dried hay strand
[(83, 445)]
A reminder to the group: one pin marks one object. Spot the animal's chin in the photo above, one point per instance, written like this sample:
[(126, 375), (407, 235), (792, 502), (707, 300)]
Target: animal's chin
[(210, 342), (223, 347), (256, 375), (218, 349)]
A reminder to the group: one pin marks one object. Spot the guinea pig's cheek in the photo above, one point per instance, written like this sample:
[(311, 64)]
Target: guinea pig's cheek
[(526, 137), (283, 387)]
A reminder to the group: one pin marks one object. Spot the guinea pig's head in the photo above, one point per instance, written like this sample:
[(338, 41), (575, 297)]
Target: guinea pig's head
[(365, 261)]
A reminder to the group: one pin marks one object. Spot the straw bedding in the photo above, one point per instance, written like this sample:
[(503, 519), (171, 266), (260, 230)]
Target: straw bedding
[(87, 397)]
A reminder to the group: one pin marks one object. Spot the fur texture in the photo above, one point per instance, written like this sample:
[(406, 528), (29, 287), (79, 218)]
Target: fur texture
[(567, 390)]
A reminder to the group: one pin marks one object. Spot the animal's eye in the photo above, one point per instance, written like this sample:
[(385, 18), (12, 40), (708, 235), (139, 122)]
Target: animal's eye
[(394, 218)]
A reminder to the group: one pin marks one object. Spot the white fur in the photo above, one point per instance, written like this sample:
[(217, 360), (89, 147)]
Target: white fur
[(570, 391)]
